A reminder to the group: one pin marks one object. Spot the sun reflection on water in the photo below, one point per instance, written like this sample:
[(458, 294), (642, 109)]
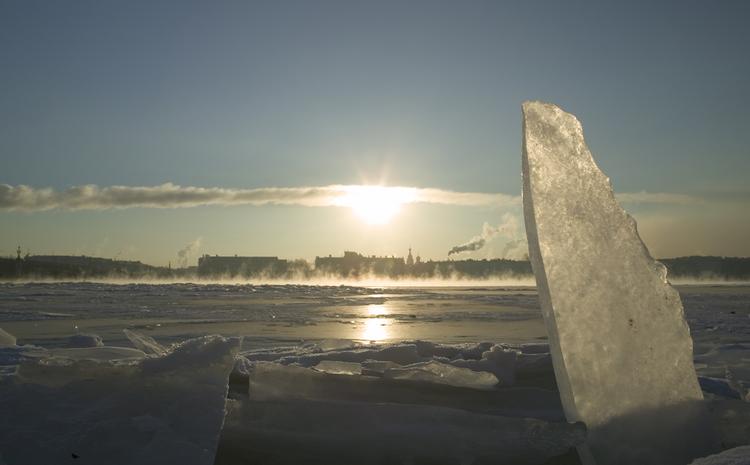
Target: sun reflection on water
[(376, 327), (377, 310)]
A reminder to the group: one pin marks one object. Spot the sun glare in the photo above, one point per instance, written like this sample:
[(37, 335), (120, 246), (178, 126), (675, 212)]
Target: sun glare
[(376, 205), (375, 324)]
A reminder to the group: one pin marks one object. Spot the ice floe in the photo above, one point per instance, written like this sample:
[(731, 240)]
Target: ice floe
[(339, 368), (735, 456), (145, 343), (337, 432), (6, 339), (116, 406), (442, 373), (84, 340)]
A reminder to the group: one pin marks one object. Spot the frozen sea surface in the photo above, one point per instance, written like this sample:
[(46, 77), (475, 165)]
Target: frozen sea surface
[(344, 374), (47, 314)]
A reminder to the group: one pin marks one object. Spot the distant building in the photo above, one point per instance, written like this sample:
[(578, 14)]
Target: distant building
[(80, 260), (240, 266), (354, 264), (19, 263), (81, 266), (410, 259)]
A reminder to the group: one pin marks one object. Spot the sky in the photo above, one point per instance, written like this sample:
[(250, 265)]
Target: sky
[(263, 100)]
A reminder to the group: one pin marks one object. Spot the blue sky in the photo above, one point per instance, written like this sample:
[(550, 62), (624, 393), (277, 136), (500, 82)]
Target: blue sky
[(424, 94)]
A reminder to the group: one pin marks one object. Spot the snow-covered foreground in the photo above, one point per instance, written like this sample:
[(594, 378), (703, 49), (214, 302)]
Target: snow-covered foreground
[(115, 405), (181, 397)]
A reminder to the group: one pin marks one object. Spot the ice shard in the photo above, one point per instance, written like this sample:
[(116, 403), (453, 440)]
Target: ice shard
[(620, 345), (7, 339), (108, 407)]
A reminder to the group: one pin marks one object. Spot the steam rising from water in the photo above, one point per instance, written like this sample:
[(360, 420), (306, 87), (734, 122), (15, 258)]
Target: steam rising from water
[(454, 280)]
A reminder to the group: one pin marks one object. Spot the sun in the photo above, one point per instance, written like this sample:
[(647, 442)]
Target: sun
[(376, 205)]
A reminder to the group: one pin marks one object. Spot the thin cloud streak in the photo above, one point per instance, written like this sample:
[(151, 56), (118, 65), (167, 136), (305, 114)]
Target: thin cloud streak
[(168, 195), (644, 197), (92, 197)]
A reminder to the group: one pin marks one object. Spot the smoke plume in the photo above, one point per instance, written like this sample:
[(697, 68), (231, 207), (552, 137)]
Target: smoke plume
[(509, 227), (476, 242), (184, 253)]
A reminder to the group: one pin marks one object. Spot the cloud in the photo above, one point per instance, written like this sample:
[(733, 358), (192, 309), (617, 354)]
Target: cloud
[(644, 197), (439, 196), (92, 197)]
